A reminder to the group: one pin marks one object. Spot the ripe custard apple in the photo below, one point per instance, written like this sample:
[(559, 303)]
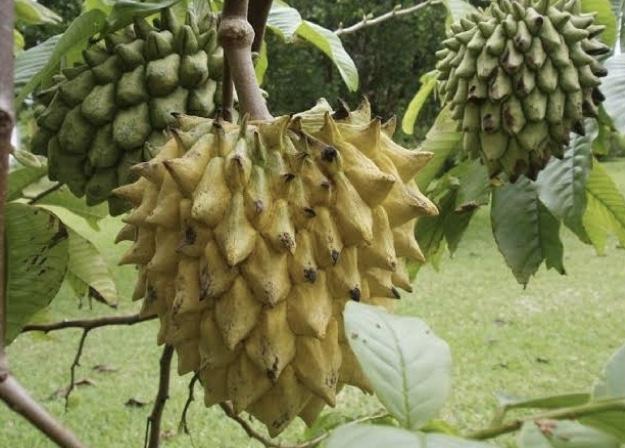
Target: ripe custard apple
[(97, 117), (519, 77), (251, 238)]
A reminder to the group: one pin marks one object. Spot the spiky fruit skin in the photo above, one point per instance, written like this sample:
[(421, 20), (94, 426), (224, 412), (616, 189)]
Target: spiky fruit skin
[(250, 239), (110, 112), (519, 77)]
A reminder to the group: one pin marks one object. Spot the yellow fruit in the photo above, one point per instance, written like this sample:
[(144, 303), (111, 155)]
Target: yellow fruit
[(251, 239)]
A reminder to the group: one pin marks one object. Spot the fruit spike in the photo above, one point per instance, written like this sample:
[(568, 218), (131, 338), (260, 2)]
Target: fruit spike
[(251, 238), (517, 64)]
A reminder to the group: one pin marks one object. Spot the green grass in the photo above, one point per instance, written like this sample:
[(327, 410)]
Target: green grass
[(552, 337)]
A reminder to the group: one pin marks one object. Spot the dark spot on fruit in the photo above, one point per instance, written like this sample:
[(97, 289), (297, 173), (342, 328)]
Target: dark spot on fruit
[(310, 275), (329, 154), (354, 294), (310, 212), (288, 177), (335, 256), (395, 292)]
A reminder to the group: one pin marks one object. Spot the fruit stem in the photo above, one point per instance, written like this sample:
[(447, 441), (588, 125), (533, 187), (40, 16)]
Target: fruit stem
[(236, 36)]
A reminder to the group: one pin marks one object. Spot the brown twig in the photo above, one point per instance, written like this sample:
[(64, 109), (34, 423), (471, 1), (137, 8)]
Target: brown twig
[(72, 370), (183, 425), (153, 426), (257, 16), (236, 36), (397, 11), (11, 391), (88, 324), (268, 443)]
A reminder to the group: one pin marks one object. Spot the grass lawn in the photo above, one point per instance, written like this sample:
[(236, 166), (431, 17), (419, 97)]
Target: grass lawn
[(552, 337)]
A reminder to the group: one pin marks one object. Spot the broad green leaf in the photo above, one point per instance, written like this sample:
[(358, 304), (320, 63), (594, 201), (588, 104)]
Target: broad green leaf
[(430, 231), (372, 436), (82, 28), (605, 209), (611, 384), (283, 19), (443, 140), (613, 87), (87, 264), (551, 402), (473, 184), (525, 231), (33, 13), (20, 178), (331, 45), (103, 5), (28, 63), (36, 258), (562, 184), (445, 441), (458, 9), (428, 83), (563, 434), (124, 11), (604, 16), (407, 365)]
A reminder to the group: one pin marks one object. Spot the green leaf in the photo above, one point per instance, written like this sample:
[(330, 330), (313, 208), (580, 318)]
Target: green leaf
[(474, 185), (262, 63), (33, 13), (525, 231), (604, 16), (562, 184), (124, 12), (331, 45), (407, 365), (36, 257), (458, 8), (605, 210), (443, 140), (613, 87), (20, 178), (81, 29), (611, 384), (18, 42), (372, 436), (563, 434), (87, 265), (428, 83), (30, 62), (283, 19)]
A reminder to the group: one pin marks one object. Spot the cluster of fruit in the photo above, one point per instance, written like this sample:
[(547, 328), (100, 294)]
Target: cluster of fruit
[(95, 120), (519, 78)]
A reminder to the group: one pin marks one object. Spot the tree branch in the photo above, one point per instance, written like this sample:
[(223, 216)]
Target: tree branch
[(16, 397), (88, 324), (257, 16), (236, 36), (153, 427), (397, 11), (570, 413), (11, 391)]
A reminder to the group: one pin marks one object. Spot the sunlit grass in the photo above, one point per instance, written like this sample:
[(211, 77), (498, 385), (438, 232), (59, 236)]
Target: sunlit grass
[(552, 337)]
